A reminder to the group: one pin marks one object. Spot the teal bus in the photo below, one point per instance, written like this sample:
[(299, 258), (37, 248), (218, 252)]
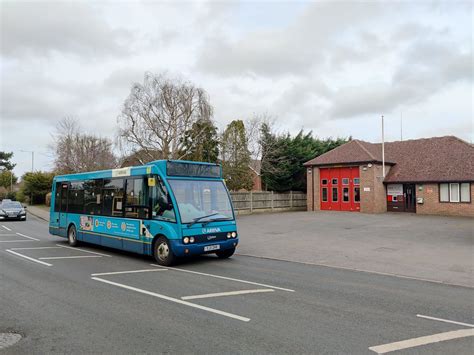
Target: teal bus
[(167, 209)]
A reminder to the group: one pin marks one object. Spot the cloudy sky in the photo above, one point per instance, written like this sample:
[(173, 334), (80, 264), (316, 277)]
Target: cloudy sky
[(332, 67)]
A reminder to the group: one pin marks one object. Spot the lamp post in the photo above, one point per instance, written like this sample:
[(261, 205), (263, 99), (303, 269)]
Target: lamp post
[(32, 167)]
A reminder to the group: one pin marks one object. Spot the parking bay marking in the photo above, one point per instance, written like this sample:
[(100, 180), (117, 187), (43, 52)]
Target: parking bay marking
[(27, 257), (429, 339), (69, 257), (227, 278), (17, 240), (84, 251), (126, 272), (8, 229), (445, 320), (425, 340), (34, 248), (175, 300), (25, 236), (230, 293)]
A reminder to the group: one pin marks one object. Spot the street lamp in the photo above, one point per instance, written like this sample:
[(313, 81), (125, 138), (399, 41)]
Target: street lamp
[(32, 158), (32, 167)]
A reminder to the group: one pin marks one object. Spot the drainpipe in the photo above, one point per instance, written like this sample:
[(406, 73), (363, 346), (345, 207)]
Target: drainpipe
[(383, 150)]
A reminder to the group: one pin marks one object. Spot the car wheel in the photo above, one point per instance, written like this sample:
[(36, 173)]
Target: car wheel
[(224, 254), (162, 252), (72, 236)]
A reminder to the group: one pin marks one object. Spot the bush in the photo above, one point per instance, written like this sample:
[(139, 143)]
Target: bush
[(36, 185)]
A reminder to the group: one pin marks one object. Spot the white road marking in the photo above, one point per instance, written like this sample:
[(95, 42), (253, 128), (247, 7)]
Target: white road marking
[(12, 241), (230, 293), (25, 236), (227, 278), (69, 257), (7, 235), (127, 272), (85, 251), (175, 300), (445, 320), (34, 248), (27, 257), (430, 339), (8, 229)]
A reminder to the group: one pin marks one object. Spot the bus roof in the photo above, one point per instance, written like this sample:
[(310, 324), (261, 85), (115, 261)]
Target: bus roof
[(174, 168)]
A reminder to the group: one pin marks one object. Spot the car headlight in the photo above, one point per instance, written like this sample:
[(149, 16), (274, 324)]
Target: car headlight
[(186, 240), (3, 212)]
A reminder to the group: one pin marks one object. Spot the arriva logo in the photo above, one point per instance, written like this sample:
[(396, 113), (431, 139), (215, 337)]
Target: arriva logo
[(211, 230)]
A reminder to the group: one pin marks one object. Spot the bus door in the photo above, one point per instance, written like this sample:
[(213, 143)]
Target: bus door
[(64, 187)]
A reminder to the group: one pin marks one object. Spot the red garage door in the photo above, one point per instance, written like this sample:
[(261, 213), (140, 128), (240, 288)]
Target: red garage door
[(340, 189)]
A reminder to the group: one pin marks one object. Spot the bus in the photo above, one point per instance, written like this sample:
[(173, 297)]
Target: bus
[(167, 209)]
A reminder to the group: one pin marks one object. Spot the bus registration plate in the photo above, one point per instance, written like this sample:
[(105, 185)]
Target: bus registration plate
[(212, 247)]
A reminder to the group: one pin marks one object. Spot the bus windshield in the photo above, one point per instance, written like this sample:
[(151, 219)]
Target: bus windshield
[(200, 198)]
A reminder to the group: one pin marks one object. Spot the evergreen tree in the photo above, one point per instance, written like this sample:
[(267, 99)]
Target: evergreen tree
[(236, 157), (201, 142), (5, 163), (284, 156), (36, 185)]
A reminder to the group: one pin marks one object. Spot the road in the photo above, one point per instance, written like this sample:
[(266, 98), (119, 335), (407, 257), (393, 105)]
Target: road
[(97, 300)]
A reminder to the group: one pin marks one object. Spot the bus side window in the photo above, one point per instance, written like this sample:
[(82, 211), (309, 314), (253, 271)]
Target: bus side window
[(136, 205), (57, 197), (113, 195), (92, 196)]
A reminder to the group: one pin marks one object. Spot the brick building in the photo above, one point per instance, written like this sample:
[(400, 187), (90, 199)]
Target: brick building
[(426, 176)]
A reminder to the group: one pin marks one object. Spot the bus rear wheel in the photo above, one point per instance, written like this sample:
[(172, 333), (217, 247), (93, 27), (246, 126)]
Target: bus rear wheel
[(162, 252), (72, 236), (224, 254)]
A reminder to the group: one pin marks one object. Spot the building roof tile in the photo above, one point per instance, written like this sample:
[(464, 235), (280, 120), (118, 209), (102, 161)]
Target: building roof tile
[(434, 159)]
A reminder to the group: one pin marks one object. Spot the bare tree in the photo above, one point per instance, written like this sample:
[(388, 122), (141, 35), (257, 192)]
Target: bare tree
[(76, 151), (253, 131), (157, 114)]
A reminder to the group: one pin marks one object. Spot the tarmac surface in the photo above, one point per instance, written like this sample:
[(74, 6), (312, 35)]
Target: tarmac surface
[(97, 300)]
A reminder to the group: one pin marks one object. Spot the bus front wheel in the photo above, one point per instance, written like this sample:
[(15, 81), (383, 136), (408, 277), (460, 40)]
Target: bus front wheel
[(224, 254), (72, 236), (162, 252)]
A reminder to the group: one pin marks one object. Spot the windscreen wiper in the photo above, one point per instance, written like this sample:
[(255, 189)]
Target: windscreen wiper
[(197, 219), (216, 220)]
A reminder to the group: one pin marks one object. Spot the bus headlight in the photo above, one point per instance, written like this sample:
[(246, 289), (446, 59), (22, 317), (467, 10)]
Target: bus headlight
[(234, 234), (186, 240), (191, 239), (229, 235)]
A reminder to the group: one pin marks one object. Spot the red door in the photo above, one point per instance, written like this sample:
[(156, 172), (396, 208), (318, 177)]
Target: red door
[(340, 189)]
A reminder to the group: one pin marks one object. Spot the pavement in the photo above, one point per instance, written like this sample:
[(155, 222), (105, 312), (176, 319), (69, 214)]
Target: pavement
[(433, 248), (97, 300)]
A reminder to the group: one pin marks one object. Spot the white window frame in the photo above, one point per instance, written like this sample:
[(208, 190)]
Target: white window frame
[(456, 186)]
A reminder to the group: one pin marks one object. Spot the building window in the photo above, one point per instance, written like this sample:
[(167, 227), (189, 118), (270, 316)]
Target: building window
[(334, 181), (334, 194), (345, 194), (455, 192), (444, 192), (324, 181), (324, 194), (356, 181), (465, 192), (356, 194), (345, 181)]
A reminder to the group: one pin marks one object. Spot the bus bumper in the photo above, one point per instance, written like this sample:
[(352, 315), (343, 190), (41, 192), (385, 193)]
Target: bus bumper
[(181, 249)]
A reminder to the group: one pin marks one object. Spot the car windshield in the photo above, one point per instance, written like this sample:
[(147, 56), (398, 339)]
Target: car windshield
[(11, 205), (200, 198)]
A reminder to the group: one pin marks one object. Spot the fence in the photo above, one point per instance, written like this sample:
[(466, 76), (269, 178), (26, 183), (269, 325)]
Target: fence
[(267, 201)]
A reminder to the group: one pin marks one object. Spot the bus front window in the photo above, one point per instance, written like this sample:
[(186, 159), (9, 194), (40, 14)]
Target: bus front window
[(199, 198), (162, 207)]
